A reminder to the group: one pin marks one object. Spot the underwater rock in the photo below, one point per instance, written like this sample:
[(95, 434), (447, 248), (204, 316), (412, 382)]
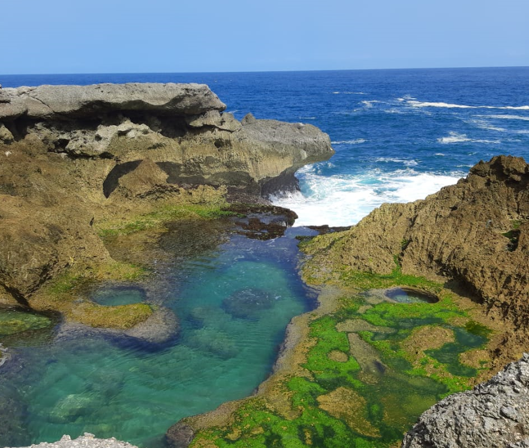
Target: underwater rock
[(71, 407), (248, 303), (212, 340), (493, 414)]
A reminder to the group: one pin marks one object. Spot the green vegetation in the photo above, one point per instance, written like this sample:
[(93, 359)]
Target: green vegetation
[(363, 388), (161, 216)]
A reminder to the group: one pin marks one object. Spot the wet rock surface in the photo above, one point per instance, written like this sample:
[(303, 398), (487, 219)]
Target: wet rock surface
[(493, 414)]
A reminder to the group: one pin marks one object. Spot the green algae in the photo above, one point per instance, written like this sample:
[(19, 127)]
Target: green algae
[(392, 389), (17, 321), (163, 215)]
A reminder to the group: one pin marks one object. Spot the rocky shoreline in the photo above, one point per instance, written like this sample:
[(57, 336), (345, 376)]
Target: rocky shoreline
[(82, 165)]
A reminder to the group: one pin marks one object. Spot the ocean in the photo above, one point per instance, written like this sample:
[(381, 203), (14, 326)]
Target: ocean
[(399, 135)]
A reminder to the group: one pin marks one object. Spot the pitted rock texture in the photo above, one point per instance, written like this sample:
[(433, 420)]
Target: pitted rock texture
[(475, 232), (493, 414), (86, 441), (67, 102)]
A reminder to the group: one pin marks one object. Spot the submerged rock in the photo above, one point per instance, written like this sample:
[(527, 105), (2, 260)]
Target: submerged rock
[(248, 303), (493, 414)]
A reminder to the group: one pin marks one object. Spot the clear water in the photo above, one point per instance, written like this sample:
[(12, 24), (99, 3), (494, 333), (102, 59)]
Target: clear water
[(116, 388), (405, 295), (399, 135), (118, 295)]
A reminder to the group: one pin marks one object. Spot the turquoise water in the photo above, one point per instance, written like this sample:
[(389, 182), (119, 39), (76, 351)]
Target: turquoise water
[(113, 387)]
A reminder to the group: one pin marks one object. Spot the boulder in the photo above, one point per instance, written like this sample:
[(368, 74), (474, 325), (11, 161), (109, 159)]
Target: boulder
[(493, 414)]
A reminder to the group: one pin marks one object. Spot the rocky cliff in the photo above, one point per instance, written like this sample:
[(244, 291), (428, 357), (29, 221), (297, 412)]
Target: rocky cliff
[(75, 156), (494, 414)]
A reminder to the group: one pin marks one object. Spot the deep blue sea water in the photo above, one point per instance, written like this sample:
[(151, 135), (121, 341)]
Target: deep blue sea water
[(399, 135)]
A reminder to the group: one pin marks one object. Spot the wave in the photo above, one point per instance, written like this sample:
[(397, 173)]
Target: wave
[(504, 117), (357, 141), (461, 106), (349, 93), (345, 199), (307, 118), (396, 160), (454, 137)]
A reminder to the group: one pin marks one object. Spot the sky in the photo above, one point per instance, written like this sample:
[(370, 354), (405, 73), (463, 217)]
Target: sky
[(156, 36)]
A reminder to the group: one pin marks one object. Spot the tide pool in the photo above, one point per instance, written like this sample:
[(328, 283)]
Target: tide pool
[(233, 304)]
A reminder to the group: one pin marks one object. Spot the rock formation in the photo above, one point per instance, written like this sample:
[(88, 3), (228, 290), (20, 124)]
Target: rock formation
[(75, 155), (178, 127), (475, 233), (493, 414), (86, 441)]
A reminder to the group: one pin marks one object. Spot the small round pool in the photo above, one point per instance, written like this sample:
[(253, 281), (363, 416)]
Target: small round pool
[(118, 295), (410, 295)]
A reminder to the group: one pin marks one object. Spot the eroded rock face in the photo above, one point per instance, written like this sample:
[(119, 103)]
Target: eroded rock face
[(179, 127), (493, 414), (475, 232)]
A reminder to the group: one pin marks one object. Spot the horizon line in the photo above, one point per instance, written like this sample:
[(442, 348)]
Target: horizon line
[(263, 71)]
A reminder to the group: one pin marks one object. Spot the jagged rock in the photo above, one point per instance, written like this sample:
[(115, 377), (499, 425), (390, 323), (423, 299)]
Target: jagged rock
[(493, 414), (86, 441)]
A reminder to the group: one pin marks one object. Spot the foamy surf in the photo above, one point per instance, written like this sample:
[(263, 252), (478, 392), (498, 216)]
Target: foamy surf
[(454, 137), (414, 103), (344, 200)]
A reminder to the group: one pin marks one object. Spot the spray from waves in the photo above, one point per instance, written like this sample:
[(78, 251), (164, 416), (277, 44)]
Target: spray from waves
[(462, 106), (454, 137), (344, 200)]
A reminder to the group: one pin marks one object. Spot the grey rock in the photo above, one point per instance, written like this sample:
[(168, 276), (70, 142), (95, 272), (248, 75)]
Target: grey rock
[(86, 441), (67, 102), (493, 414)]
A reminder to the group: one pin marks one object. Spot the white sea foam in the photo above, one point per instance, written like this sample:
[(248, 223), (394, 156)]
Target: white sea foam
[(454, 137), (357, 141), (504, 117), (461, 106), (406, 162), (345, 200), (349, 93), (307, 118)]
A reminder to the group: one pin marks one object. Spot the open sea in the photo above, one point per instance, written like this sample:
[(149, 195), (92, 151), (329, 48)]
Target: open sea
[(399, 135)]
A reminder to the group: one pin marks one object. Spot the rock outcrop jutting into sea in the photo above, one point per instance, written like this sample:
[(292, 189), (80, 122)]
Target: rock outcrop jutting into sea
[(493, 414), (75, 156)]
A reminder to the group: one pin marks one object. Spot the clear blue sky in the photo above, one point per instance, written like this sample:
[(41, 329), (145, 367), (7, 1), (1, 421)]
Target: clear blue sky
[(121, 36)]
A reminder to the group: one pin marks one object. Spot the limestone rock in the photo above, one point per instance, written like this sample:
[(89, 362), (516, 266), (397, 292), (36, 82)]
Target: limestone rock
[(86, 441), (68, 102), (493, 414)]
